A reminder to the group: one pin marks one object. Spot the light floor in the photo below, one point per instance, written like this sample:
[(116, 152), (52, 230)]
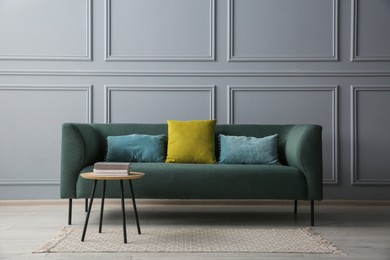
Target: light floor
[(361, 229)]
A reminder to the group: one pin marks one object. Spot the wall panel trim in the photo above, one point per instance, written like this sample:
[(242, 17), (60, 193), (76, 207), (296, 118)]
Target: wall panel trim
[(30, 182), (355, 180), (54, 87), (32, 87), (334, 91), (234, 58), (88, 45), (354, 38), (209, 73), (109, 89), (178, 58)]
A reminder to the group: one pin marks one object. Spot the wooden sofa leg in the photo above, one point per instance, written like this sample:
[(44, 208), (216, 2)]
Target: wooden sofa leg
[(312, 213), (70, 212), (86, 204)]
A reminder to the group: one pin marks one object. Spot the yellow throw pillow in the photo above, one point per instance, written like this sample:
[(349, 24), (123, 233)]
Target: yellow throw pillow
[(191, 141)]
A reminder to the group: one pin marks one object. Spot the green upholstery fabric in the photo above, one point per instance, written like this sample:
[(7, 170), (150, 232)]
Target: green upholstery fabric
[(299, 176), (210, 181)]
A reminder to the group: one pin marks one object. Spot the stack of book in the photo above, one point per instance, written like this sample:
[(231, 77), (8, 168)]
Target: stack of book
[(112, 168)]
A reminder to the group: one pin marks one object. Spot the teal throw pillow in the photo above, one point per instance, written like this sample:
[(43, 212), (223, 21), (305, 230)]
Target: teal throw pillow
[(248, 150), (136, 148)]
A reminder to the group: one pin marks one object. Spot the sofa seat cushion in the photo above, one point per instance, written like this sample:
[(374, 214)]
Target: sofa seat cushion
[(207, 181)]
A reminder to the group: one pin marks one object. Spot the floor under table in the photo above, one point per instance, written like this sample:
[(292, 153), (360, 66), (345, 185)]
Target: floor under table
[(359, 228)]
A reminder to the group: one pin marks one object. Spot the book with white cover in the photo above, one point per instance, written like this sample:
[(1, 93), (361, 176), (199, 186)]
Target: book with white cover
[(111, 173)]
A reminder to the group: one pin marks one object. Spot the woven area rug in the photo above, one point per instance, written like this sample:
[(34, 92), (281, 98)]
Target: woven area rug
[(199, 240)]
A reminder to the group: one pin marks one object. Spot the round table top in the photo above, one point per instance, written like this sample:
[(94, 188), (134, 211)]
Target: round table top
[(93, 176)]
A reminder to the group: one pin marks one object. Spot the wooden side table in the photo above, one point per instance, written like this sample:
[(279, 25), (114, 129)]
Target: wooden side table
[(95, 178)]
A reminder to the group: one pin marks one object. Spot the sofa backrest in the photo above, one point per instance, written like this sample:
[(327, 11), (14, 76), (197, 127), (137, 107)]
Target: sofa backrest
[(104, 130)]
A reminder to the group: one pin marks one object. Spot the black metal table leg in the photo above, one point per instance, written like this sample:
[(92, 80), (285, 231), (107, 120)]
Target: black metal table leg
[(89, 210), (312, 213), (123, 213), (70, 212), (102, 207), (135, 207), (295, 206)]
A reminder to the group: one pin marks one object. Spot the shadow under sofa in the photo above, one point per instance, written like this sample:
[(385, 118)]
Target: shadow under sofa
[(297, 177)]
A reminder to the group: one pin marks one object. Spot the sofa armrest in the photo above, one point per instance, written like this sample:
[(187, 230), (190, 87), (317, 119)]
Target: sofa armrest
[(303, 150), (80, 147)]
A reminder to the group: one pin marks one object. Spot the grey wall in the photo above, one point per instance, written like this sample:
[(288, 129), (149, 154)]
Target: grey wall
[(238, 61)]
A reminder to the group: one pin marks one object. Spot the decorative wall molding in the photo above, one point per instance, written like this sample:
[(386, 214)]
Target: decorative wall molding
[(355, 180), (332, 89), (222, 73), (31, 87), (109, 89), (30, 182), (354, 38), (54, 87), (88, 45), (234, 58), (108, 45)]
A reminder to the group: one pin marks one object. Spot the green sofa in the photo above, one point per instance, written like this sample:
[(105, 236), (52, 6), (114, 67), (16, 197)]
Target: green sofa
[(298, 177)]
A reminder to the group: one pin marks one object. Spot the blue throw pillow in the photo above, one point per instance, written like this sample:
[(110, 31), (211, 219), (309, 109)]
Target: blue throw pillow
[(136, 148), (248, 150)]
